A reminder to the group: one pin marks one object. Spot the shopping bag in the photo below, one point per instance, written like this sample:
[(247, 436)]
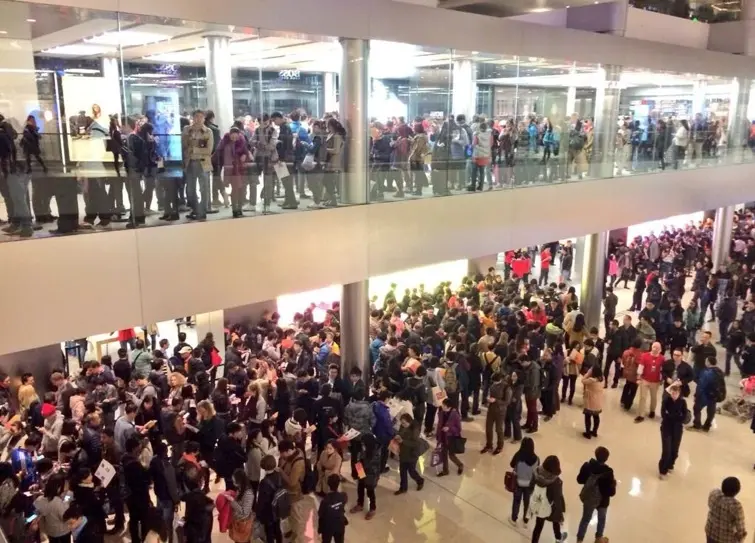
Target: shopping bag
[(241, 530), (394, 447), (436, 459), (438, 395), (359, 468), (308, 164), (281, 170)]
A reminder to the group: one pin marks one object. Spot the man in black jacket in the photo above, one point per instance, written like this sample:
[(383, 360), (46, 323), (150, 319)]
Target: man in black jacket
[(285, 149), (229, 454), (138, 481), (610, 301), (701, 352), (616, 339), (332, 512), (165, 485), (599, 485), (122, 367), (677, 336), (266, 513), (639, 290), (676, 369)]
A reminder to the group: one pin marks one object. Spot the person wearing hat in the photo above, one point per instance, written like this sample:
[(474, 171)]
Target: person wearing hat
[(51, 430), (192, 362)]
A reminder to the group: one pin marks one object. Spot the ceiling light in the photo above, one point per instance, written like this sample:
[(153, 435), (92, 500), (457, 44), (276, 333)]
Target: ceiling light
[(31, 20), (540, 10), (128, 38), (80, 50), (3, 31), (81, 71)]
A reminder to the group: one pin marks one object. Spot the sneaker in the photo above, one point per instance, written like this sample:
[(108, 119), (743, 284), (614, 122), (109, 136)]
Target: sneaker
[(563, 537), (370, 514), (639, 418), (594, 433), (526, 519), (443, 473)]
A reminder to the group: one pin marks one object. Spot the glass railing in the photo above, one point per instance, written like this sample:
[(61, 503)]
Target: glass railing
[(719, 11), (51, 195)]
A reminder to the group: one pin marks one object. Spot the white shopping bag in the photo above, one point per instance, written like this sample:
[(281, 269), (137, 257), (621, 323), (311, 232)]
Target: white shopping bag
[(281, 170)]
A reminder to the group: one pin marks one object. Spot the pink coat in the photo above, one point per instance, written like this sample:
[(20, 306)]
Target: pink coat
[(613, 267)]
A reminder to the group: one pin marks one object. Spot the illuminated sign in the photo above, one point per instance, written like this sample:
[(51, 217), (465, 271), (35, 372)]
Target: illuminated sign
[(289, 75)]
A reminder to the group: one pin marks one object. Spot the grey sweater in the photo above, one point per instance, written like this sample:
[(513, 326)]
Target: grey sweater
[(51, 516)]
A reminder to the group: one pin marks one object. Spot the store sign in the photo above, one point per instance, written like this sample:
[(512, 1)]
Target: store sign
[(289, 75)]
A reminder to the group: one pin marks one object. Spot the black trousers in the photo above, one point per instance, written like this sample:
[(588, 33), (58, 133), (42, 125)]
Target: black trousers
[(355, 446), (66, 196), (628, 394), (616, 363), (97, 203), (430, 417), (592, 422), (335, 537), (362, 487), (568, 382), (697, 409), (539, 524), (547, 399), (637, 299), (273, 532), (408, 469), (136, 523), (137, 197), (671, 439)]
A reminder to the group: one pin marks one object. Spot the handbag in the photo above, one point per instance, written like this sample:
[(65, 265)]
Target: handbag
[(436, 459), (241, 530), (509, 481), (308, 164), (482, 160), (456, 445), (438, 395)]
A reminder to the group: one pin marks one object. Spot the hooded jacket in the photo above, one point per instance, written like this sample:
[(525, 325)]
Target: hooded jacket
[(554, 488), (606, 480), (383, 427)]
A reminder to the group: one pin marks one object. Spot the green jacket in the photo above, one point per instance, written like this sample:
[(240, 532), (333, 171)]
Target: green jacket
[(409, 449)]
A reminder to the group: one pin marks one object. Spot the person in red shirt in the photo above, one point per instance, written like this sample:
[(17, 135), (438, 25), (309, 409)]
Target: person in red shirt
[(508, 263), (649, 378), (127, 338), (545, 265), (520, 267)]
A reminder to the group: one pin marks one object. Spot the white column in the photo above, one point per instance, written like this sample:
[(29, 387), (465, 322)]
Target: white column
[(722, 236), (218, 70), (738, 125), (698, 97), (330, 91), (111, 72), (593, 277), (464, 88), (355, 327), (606, 115), (214, 322), (353, 109), (571, 93)]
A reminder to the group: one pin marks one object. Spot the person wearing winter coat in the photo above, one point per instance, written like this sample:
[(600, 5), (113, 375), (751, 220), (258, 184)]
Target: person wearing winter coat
[(523, 463), (359, 416), (532, 390), (231, 155), (328, 463), (592, 382), (410, 449), (547, 480), (229, 453), (499, 396), (598, 487), (705, 394), (674, 414), (449, 429), (383, 427), (481, 152), (512, 425), (369, 457), (677, 371), (30, 143)]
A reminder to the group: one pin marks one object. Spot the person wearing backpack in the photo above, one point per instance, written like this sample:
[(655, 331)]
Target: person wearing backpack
[(598, 486), (524, 463), (547, 500), (296, 474), (711, 389), (273, 501)]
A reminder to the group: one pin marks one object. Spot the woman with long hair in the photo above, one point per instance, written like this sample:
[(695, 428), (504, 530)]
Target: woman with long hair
[(592, 382), (51, 507), (547, 501), (242, 508), (524, 462), (334, 145), (574, 359)]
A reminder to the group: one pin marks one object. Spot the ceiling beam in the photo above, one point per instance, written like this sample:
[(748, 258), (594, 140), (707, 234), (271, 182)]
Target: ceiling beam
[(453, 4)]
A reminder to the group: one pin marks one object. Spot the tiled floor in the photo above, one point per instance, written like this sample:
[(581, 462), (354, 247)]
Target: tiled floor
[(474, 508)]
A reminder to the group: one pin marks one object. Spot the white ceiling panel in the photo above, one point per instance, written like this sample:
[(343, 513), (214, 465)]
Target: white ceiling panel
[(74, 34)]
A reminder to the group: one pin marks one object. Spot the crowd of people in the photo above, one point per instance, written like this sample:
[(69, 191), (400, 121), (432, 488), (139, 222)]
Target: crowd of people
[(149, 432), (292, 157)]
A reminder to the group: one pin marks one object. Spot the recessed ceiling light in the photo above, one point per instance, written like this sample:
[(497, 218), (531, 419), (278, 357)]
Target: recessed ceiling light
[(3, 31), (540, 10), (31, 20)]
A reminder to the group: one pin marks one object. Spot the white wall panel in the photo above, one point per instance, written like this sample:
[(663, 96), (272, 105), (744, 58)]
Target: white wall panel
[(63, 288), (70, 287), (658, 27)]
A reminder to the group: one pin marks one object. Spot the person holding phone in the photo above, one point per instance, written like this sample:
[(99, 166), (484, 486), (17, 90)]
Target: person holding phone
[(51, 507)]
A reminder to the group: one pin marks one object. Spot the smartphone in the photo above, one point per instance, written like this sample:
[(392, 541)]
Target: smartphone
[(203, 464), (28, 494), (32, 518), (67, 498)]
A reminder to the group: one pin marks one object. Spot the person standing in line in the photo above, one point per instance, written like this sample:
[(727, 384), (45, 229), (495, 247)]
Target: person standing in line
[(592, 382), (545, 265), (512, 425), (332, 513), (707, 394), (701, 352), (532, 388), (598, 487), (370, 458), (498, 400), (197, 144), (674, 414), (547, 501), (726, 516), (610, 301), (629, 362), (524, 463), (649, 377)]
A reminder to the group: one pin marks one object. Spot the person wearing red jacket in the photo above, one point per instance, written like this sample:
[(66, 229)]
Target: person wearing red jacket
[(545, 265), (520, 267), (508, 262), (649, 377)]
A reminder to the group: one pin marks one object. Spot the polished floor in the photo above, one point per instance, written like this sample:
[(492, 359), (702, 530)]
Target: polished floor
[(474, 507)]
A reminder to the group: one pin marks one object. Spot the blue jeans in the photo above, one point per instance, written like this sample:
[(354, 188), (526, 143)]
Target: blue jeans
[(168, 511), (195, 172), (521, 494), (587, 516)]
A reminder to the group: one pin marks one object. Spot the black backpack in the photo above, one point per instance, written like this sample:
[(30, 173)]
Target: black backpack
[(281, 502), (719, 384)]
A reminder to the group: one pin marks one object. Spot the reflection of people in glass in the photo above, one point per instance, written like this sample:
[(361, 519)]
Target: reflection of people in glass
[(137, 161), (115, 146), (163, 126), (30, 143), (231, 156)]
